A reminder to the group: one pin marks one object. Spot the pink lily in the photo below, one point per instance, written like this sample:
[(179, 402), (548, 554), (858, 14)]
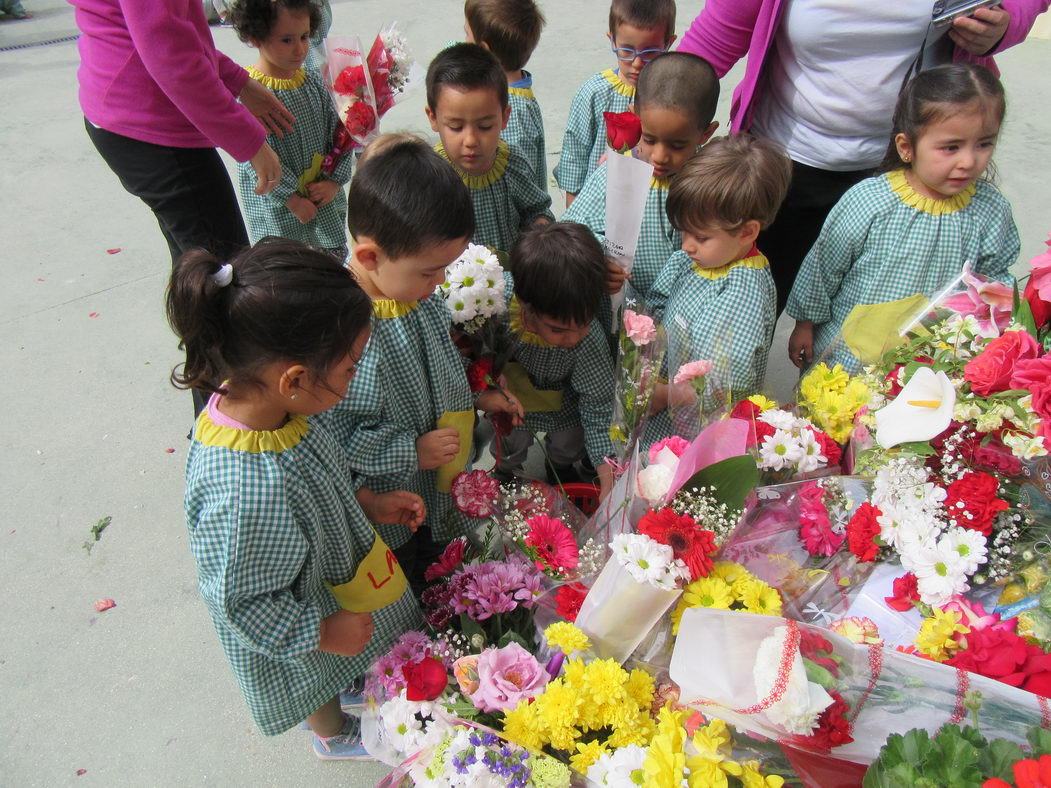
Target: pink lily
[(988, 300)]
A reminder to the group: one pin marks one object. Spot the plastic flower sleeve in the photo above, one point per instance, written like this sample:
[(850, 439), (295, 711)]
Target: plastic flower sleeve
[(641, 351), (718, 654), (347, 77)]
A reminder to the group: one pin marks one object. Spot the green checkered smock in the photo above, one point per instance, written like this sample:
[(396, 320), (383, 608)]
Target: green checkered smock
[(585, 138), (525, 128), (726, 315), (273, 519), (316, 121), (883, 241), (584, 375), (506, 199), (317, 41), (410, 374), (658, 240)]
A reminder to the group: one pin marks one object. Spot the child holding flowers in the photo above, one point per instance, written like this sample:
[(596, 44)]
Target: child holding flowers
[(295, 577), (306, 205)]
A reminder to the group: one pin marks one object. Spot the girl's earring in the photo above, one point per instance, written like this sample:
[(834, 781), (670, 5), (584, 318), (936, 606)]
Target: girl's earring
[(292, 396), (906, 158)]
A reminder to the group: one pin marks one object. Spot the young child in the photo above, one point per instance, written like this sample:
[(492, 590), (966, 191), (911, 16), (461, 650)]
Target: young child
[(716, 297), (639, 30), (561, 370), (406, 421), (284, 552), (510, 29), (467, 106), (911, 229), (676, 101), (306, 205)]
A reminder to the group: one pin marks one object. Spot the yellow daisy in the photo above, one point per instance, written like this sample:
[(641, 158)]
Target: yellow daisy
[(758, 597)]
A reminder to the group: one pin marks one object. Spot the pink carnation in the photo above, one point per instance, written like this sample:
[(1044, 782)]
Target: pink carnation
[(673, 443), (506, 676), (815, 529), (694, 369), (474, 492), (639, 328)]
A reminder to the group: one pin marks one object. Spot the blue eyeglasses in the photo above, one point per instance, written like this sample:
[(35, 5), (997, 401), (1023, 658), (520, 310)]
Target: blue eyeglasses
[(628, 54)]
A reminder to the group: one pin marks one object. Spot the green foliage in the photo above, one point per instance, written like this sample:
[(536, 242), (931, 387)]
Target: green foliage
[(732, 478)]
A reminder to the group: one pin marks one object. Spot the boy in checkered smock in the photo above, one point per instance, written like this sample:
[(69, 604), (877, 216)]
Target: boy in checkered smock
[(307, 204), (638, 32), (560, 369), (407, 421), (716, 298), (302, 591), (467, 106), (676, 102), (911, 229), (510, 29)]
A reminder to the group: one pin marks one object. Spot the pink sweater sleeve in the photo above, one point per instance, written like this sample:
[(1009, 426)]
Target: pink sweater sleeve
[(1023, 14), (232, 75), (722, 32), (169, 47)]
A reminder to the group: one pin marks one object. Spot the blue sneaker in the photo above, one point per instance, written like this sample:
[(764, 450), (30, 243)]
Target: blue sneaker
[(353, 696), (344, 746)]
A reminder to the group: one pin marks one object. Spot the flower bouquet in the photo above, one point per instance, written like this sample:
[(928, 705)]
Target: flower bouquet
[(641, 350), (787, 447)]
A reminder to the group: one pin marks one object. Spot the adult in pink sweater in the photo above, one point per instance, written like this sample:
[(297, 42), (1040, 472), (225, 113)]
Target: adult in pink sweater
[(158, 99), (821, 77)]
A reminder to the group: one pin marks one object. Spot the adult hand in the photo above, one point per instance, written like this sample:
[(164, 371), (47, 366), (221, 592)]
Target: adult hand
[(274, 116), (982, 31), (267, 169)]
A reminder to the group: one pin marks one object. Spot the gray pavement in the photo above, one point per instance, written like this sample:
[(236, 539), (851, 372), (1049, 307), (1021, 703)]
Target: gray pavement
[(140, 694)]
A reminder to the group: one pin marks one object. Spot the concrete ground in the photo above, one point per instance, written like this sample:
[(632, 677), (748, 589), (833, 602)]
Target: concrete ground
[(141, 694)]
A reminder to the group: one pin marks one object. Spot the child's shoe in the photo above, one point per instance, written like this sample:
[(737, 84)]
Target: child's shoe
[(353, 697), (344, 746)]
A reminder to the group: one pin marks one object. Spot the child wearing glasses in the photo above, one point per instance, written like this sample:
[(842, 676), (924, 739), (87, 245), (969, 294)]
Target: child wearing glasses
[(467, 106), (639, 30), (676, 101), (510, 29)]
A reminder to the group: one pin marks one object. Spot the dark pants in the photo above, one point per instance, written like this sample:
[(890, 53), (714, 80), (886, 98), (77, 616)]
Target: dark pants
[(416, 555), (188, 190), (810, 197)]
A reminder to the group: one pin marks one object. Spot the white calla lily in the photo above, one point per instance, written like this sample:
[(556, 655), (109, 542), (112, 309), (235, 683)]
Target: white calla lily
[(920, 412)]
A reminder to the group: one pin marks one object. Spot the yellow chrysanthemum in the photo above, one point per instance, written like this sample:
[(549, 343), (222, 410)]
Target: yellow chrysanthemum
[(522, 726), (937, 636), (704, 592), (573, 673), (604, 682), (758, 597), (566, 637), (586, 754), (762, 402), (665, 764), (558, 706), (705, 773), (728, 571), (639, 687), (713, 741), (751, 777)]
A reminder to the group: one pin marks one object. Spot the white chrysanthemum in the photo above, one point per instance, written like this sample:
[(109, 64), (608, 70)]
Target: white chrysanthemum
[(939, 573), (812, 457), (646, 560), (778, 419), (462, 309), (621, 768), (465, 273), (803, 700), (480, 254), (779, 451), (969, 544)]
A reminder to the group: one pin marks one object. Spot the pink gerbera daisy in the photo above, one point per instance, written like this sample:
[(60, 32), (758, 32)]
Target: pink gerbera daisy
[(553, 542)]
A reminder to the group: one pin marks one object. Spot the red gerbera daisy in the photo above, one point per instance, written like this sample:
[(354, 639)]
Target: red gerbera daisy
[(688, 542)]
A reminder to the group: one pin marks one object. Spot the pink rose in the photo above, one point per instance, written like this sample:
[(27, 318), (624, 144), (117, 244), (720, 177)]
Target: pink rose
[(639, 328), (506, 676), (1034, 375), (694, 369), (991, 371), (673, 443)]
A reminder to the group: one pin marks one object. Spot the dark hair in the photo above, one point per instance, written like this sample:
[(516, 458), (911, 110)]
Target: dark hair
[(509, 28), (467, 67), (682, 82), (939, 93), (286, 301), (560, 271), (406, 197), (730, 181), (644, 14), (254, 19)]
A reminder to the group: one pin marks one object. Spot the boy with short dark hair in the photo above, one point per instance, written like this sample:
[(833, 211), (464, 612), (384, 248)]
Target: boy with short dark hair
[(510, 29), (467, 106), (406, 421), (561, 368), (639, 30)]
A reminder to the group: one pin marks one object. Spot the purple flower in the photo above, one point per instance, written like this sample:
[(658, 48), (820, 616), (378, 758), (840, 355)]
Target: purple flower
[(484, 590)]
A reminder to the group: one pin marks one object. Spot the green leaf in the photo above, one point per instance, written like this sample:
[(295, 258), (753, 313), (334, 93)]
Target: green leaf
[(998, 758), (953, 760), (732, 478), (1022, 313), (510, 636), (1040, 740), (919, 448), (470, 627)]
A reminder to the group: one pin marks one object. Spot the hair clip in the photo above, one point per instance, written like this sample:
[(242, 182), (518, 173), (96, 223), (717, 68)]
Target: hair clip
[(224, 276)]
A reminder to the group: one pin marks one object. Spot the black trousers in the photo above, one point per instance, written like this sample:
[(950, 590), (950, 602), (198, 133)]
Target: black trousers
[(788, 239), (188, 190)]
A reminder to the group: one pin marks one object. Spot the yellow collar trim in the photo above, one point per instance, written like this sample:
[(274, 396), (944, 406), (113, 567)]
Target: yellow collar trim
[(385, 308), (495, 173), (252, 441), (757, 261), (526, 93), (661, 183), (619, 85), (519, 329), (274, 83), (899, 184)]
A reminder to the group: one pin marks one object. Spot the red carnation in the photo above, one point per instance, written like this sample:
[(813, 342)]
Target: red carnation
[(361, 119), (906, 591), (688, 542), (745, 409), (569, 598), (479, 373), (862, 531), (829, 447), (818, 650), (833, 728), (351, 82), (976, 491), (449, 561), (995, 653), (425, 679)]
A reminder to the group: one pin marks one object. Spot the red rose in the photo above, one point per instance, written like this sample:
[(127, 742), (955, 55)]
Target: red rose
[(478, 372), (745, 409), (977, 492), (862, 531), (361, 119), (688, 542), (1041, 309), (623, 130), (1037, 669), (991, 652), (829, 447), (1035, 376), (991, 370), (906, 591), (351, 81), (425, 678), (569, 598)]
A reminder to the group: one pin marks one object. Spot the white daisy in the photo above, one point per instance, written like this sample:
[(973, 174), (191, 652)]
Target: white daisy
[(970, 545), (779, 451)]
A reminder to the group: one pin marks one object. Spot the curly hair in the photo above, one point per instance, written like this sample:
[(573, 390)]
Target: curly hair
[(254, 19)]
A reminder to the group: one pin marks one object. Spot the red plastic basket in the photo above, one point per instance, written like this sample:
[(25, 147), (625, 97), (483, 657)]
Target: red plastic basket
[(583, 496)]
